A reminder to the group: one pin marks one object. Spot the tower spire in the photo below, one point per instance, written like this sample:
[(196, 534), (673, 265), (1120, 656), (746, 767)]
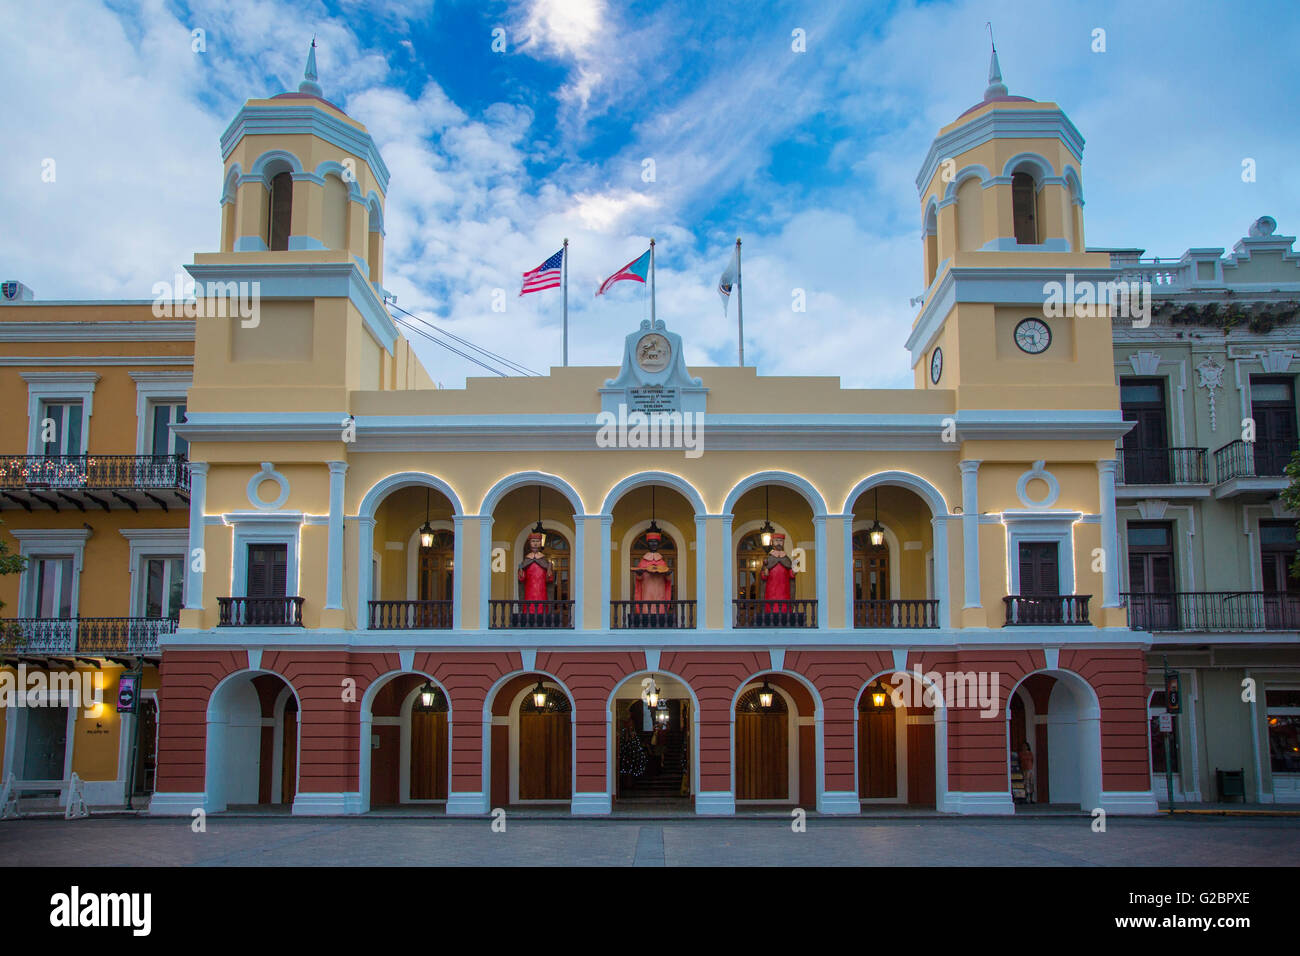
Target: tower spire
[(309, 84), (996, 87)]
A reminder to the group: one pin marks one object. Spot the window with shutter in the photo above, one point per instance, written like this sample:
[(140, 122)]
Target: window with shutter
[(267, 567)]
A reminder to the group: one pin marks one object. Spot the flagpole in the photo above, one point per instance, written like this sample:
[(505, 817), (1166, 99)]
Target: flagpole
[(565, 277), (652, 283), (740, 305)]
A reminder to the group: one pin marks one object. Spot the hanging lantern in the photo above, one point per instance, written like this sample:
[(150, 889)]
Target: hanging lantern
[(539, 696), (765, 532), (650, 693), (876, 532), (428, 694), (661, 713), (878, 697), (426, 532), (765, 694), (537, 528)]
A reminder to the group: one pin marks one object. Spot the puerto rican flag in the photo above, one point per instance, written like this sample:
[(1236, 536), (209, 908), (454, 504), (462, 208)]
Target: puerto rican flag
[(545, 276), (636, 271)]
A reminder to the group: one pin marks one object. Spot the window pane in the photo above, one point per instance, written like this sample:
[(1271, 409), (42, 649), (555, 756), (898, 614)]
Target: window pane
[(153, 588), (1282, 698), (1270, 392), (161, 418), (65, 588), (1284, 743), (53, 414), (175, 586), (179, 445), (1139, 393), (1274, 533), (1152, 536), (72, 442)]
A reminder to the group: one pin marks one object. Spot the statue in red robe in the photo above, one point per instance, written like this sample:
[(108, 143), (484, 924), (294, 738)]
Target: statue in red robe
[(778, 577), (535, 572), (654, 579)]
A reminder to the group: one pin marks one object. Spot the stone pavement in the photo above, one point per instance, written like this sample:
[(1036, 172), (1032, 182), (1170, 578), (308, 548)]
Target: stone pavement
[(396, 841)]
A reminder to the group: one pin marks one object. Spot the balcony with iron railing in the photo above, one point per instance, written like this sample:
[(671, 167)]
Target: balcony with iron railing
[(411, 615), (760, 612), (1213, 611), (1161, 466), (259, 611), (1046, 610), (103, 481), (98, 636), (651, 614), (1264, 459), (530, 615), (906, 614)]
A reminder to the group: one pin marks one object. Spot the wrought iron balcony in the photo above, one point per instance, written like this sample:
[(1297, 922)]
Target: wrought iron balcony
[(1213, 611), (757, 612), (1162, 466), (104, 481), (39, 636), (903, 614), (651, 614), (530, 614), (1046, 609), (410, 615), (1260, 459), (259, 612)]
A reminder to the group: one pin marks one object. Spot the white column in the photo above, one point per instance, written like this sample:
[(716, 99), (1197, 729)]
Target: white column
[(941, 590), (606, 526), (1109, 533), (970, 529), (823, 581), (458, 564), (485, 569), (365, 562), (198, 504), (847, 521), (334, 545), (701, 571), (579, 572), (728, 573)]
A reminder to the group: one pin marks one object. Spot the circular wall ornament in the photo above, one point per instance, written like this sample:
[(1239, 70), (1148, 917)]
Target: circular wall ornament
[(936, 366), (1033, 336), (653, 352), (268, 473), (1038, 471)]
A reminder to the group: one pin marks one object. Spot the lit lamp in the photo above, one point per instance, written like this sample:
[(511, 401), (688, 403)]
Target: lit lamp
[(661, 713), (765, 532), (426, 532), (765, 696), (428, 694), (537, 528), (539, 696), (878, 697), (876, 532), (652, 696)]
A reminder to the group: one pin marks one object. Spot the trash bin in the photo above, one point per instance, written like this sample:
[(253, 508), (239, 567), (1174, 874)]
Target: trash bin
[(1231, 783)]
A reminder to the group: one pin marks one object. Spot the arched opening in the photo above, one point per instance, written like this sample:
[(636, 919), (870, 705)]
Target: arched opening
[(1054, 741), (775, 742), (279, 210), (532, 742), (652, 741), (535, 524), (970, 215), (774, 574), (374, 250), (1024, 208), (653, 584), (409, 750), (893, 581), (930, 233), (414, 585), (896, 744), (252, 742), (334, 215)]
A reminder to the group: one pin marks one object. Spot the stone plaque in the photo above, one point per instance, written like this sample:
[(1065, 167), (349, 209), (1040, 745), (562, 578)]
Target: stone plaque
[(653, 398)]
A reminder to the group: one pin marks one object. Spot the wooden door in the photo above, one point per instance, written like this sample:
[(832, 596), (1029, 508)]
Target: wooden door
[(428, 755), (1038, 570), (1146, 447), (1277, 551), (920, 764), (877, 754), (289, 748), (762, 756), (385, 765), (1272, 405), (544, 756)]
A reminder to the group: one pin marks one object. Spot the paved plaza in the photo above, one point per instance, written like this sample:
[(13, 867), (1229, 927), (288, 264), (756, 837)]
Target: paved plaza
[(538, 840)]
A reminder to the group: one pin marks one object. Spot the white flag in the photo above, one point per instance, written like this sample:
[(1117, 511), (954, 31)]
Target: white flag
[(728, 280)]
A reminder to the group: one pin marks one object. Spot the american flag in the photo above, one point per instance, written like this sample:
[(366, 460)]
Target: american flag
[(545, 276)]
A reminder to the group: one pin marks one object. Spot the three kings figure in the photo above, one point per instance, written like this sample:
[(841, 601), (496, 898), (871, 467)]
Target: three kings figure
[(535, 573), (778, 577), (654, 578)]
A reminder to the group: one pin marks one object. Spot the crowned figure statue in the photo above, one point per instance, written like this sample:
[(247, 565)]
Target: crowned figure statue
[(778, 577), (536, 572), (654, 578)]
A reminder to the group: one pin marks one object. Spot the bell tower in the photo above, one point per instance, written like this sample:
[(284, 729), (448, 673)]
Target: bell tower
[(302, 242), (1001, 194)]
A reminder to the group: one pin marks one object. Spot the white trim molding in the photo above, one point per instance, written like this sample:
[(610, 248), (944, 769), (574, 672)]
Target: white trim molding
[(52, 386)]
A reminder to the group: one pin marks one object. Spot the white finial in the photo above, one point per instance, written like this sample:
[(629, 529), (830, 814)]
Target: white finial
[(309, 84), (996, 87)]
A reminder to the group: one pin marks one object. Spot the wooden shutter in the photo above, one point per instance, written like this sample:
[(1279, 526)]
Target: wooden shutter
[(267, 570)]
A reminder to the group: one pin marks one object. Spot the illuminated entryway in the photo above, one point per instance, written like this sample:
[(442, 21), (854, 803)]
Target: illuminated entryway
[(408, 726), (652, 741), (896, 747), (775, 743), (532, 742)]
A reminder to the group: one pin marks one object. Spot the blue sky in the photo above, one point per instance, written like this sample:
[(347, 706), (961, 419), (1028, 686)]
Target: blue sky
[(496, 157)]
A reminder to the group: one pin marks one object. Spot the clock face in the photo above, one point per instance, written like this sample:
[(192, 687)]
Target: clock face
[(1033, 336), (936, 365), (653, 352)]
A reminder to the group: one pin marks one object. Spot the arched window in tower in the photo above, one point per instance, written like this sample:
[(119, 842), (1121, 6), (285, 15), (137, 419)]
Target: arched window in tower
[(1024, 215), (334, 219), (281, 212), (931, 232)]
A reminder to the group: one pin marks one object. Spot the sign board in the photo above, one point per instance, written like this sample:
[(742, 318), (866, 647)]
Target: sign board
[(1173, 693), (1166, 724), (653, 398), (128, 693)]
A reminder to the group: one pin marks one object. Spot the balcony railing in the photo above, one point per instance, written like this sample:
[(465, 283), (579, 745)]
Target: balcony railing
[(530, 614), (84, 635), (1213, 611), (905, 613), (1260, 459), (1046, 609), (259, 612), (756, 612), (651, 614), (101, 480), (410, 615), (1162, 466)]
